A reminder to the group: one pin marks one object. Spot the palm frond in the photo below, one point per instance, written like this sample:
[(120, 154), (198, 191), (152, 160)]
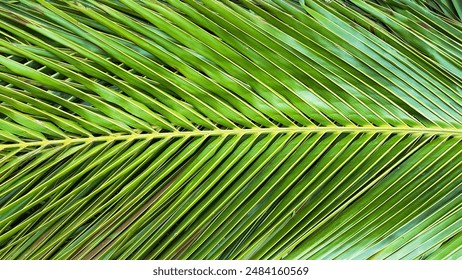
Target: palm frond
[(230, 129)]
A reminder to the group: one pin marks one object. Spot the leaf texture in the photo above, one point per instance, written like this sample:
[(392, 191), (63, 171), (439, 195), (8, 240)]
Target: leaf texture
[(230, 129)]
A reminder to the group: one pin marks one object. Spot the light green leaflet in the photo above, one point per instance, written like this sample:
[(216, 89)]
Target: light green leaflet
[(251, 129)]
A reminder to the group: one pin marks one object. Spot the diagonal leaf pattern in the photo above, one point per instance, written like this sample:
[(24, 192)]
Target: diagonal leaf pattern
[(230, 129)]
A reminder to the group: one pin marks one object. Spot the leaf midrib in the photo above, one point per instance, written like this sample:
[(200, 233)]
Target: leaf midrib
[(226, 132)]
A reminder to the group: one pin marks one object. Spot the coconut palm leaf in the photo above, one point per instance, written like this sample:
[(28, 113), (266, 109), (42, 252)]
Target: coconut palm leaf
[(230, 129)]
